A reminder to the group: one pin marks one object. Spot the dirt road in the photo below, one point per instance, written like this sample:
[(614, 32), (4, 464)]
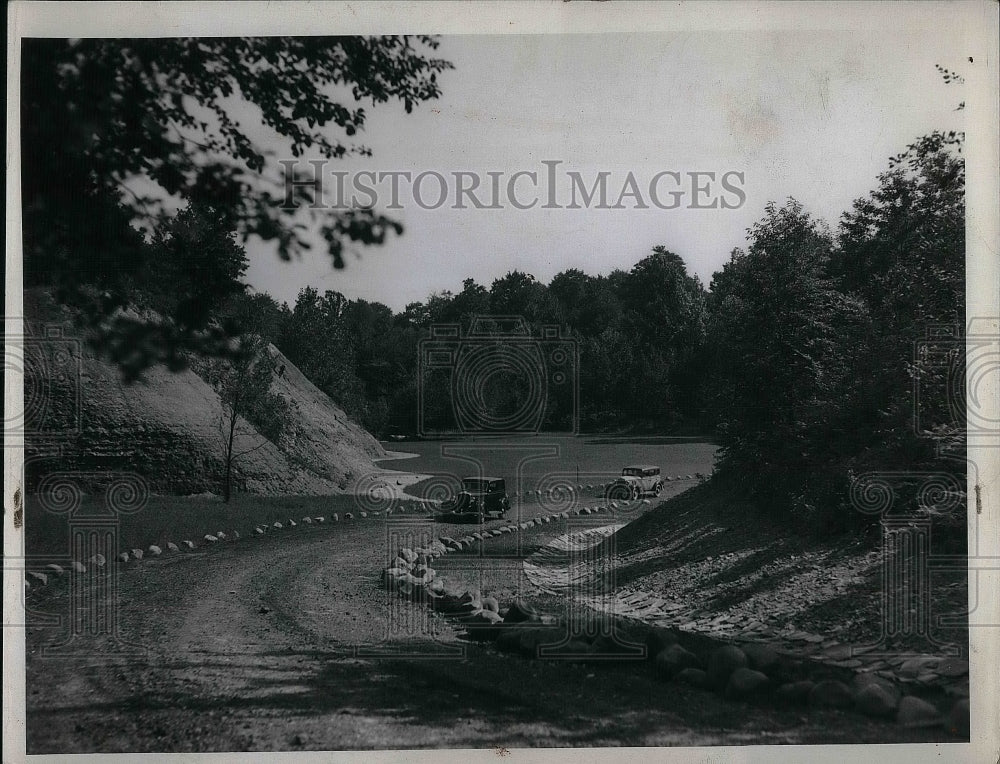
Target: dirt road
[(273, 644)]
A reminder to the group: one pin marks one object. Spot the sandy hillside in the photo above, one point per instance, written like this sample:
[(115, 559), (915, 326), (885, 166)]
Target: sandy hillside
[(167, 427)]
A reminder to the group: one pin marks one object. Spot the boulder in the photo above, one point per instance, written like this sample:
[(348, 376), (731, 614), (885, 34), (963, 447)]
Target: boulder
[(210, 538), (408, 554), (259, 531), (40, 577), (761, 657), (291, 523), (491, 604), (875, 700), (171, 546), (348, 516), (56, 569), (795, 692), (658, 638), (399, 562), (673, 659), (136, 554), (958, 719), (220, 535), (307, 520), (693, 676), (78, 567), (98, 560), (866, 678), (277, 525), (915, 712), (319, 519), (519, 612), (187, 544), (154, 550), (745, 683), (335, 518), (831, 693), (723, 662), (424, 573), (123, 557)]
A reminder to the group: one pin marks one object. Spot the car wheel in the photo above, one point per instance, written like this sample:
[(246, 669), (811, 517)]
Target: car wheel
[(635, 494), (657, 489)]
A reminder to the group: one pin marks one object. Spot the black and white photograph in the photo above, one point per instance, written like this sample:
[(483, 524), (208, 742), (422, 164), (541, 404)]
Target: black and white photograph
[(485, 379)]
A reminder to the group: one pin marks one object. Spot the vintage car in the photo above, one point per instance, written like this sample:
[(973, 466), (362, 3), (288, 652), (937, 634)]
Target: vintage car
[(636, 480), (480, 498)]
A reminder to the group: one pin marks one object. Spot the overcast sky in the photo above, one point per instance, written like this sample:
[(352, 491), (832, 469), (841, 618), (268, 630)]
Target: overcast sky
[(810, 115)]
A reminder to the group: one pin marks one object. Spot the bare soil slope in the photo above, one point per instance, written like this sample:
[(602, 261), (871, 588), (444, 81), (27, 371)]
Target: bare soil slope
[(167, 426)]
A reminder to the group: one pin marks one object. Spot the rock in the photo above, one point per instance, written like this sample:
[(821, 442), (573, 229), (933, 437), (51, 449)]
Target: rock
[(423, 573), (521, 613), (795, 692), (40, 577), (98, 560), (136, 554), (866, 678), (277, 525), (673, 659), (335, 518), (761, 657), (657, 638), (78, 567), (723, 662), (188, 544), (952, 667), (745, 683), (123, 557), (220, 535), (210, 538), (958, 719), (307, 520), (171, 546), (56, 569), (154, 550), (914, 712), (291, 523), (831, 693), (348, 516), (408, 554), (362, 514), (319, 519), (259, 531), (875, 700), (693, 676), (916, 666), (399, 562), (491, 604), (392, 576)]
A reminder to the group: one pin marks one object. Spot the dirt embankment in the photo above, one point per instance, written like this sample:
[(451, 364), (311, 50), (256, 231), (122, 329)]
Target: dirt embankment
[(168, 426)]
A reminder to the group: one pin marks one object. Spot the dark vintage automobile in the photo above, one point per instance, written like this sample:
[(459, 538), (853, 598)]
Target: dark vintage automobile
[(480, 499)]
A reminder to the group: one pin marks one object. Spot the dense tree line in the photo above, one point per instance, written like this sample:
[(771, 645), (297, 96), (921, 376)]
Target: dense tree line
[(800, 357)]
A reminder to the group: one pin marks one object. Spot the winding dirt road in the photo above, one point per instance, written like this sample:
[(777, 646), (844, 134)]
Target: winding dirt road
[(280, 643)]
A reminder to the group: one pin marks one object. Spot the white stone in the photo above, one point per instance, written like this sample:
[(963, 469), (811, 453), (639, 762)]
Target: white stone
[(78, 567), (123, 557), (291, 523), (188, 544), (220, 535), (210, 538), (57, 569), (259, 531), (155, 550), (137, 554), (279, 526), (97, 560), (40, 577), (335, 517), (173, 547)]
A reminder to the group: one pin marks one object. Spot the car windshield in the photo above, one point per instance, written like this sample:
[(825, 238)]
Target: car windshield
[(632, 471), (475, 485)]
